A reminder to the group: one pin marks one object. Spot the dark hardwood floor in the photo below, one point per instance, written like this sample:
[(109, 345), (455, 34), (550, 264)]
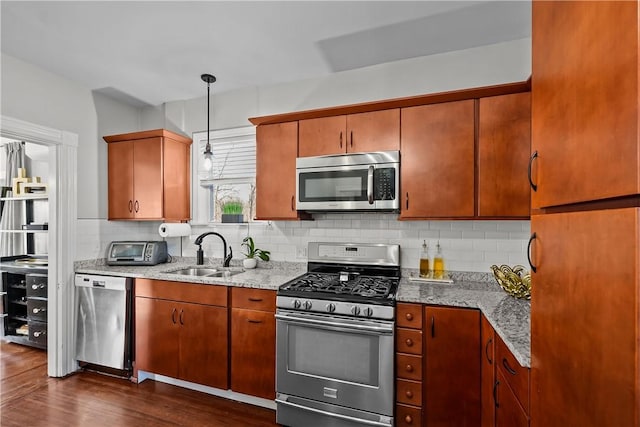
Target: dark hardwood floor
[(28, 397)]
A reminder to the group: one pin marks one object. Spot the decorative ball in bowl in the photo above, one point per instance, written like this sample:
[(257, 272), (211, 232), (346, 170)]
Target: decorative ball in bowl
[(515, 281)]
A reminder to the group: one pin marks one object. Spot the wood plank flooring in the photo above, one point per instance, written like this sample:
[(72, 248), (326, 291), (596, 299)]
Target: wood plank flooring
[(28, 397)]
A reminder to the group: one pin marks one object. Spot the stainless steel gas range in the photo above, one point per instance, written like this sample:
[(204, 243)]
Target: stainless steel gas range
[(335, 338)]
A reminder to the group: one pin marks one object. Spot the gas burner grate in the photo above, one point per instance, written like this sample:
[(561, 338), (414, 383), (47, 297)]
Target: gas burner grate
[(364, 286)]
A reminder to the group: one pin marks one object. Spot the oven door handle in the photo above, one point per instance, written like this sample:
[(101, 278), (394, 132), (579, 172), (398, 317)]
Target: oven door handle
[(328, 324), (330, 414)]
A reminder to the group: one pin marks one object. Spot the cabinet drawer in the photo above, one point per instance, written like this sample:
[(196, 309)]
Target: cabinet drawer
[(409, 341), (38, 332), (182, 291), (37, 285), (515, 375), (409, 392), (37, 309), (406, 416), (253, 299), (409, 316), (409, 367)]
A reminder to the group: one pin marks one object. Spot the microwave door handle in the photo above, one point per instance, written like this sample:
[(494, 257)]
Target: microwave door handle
[(370, 185)]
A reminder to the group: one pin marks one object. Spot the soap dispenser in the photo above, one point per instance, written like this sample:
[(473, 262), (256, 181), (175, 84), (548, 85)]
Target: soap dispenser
[(438, 263), (424, 260)]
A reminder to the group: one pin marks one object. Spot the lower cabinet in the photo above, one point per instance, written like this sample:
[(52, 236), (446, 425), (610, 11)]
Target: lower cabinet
[(487, 374), (253, 342), (437, 366), (182, 331)]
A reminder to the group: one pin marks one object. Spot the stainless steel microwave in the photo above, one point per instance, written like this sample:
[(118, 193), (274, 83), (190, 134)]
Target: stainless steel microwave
[(137, 253), (349, 182)]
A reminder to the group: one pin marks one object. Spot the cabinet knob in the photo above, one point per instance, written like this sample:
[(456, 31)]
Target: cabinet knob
[(408, 419), (408, 393), (409, 316), (37, 310), (409, 342), (34, 287), (409, 368), (37, 334)]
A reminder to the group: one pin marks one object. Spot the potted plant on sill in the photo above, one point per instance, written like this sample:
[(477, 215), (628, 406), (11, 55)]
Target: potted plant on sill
[(232, 211), (253, 252)]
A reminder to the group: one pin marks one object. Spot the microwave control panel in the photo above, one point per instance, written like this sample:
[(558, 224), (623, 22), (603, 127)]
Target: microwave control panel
[(384, 180)]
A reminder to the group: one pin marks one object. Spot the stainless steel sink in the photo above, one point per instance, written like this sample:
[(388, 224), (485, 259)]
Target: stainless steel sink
[(207, 272)]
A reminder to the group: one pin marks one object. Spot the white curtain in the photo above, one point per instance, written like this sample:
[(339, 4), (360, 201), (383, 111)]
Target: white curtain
[(13, 214)]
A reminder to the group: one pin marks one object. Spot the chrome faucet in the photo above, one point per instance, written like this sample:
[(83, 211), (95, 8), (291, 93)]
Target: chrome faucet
[(200, 254)]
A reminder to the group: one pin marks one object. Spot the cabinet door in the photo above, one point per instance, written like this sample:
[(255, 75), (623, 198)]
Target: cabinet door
[(585, 100), (147, 178), (157, 331), (120, 180), (509, 413), (504, 147), (253, 352), (322, 136), (487, 368), (452, 370), (373, 131), (584, 318), (438, 161), (203, 344), (177, 180), (276, 151)]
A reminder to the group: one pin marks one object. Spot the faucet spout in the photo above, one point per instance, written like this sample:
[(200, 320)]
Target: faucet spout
[(200, 253)]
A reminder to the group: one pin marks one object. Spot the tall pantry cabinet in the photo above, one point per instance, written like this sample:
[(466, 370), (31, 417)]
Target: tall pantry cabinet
[(585, 229)]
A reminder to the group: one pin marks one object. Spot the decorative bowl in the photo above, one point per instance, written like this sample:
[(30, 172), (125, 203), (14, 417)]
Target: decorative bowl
[(515, 281)]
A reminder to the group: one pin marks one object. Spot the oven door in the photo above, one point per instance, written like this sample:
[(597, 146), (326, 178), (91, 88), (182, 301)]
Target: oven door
[(340, 361)]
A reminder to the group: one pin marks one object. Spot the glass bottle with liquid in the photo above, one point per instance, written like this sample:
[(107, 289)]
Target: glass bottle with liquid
[(424, 260), (438, 263)]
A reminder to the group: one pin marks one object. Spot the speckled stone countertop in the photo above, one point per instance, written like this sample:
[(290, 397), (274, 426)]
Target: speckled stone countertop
[(509, 317)]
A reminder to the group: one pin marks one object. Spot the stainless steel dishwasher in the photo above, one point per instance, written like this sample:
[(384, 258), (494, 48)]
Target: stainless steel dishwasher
[(104, 335)]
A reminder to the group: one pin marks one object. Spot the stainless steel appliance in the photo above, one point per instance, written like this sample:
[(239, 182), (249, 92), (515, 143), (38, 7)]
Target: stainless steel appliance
[(137, 253), (104, 321), (361, 181), (335, 338)]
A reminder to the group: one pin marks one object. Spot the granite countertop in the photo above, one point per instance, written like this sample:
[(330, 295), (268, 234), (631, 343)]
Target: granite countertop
[(508, 316)]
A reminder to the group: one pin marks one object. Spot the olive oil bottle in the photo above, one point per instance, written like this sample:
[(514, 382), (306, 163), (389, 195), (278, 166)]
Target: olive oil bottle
[(438, 263), (424, 260)]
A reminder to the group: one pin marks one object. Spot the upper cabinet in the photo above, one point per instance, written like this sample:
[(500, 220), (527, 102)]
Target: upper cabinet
[(352, 133), (585, 109), (437, 169), (504, 144), (149, 176)]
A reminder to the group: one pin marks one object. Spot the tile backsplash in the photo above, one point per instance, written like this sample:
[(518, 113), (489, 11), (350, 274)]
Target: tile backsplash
[(467, 245)]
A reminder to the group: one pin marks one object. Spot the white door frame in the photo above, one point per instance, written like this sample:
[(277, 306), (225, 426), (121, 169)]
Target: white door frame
[(62, 236)]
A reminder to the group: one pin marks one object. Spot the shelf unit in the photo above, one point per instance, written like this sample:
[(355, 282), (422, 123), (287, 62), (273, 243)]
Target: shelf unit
[(35, 211)]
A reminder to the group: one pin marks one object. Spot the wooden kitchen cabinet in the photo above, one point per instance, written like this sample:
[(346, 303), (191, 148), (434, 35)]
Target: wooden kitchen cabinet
[(451, 366), (509, 413), (409, 373), (351, 133), (253, 342), (585, 101), (584, 335), (182, 331), (149, 176), (504, 147), (438, 160), (276, 153), (487, 374)]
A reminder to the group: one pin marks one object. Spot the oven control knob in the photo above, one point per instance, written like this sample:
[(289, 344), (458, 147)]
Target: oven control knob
[(368, 312), (307, 305), (331, 307), (296, 303), (355, 310)]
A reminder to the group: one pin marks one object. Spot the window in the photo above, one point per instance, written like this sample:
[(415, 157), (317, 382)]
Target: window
[(229, 189)]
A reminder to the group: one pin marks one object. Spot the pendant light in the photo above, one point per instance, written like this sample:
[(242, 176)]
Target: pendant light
[(208, 155)]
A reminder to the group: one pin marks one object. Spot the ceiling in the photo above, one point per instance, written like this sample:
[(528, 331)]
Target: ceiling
[(150, 52)]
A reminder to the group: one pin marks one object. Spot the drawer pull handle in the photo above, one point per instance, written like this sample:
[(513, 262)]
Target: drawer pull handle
[(37, 310), (130, 206), (409, 316), (254, 321), (293, 208), (507, 367), (182, 317), (486, 351), (136, 206), (34, 287), (433, 327), (173, 316), (495, 393), (351, 138), (409, 342), (408, 419), (534, 156), (408, 393), (407, 201), (37, 334), (255, 299), (531, 239), (340, 139), (409, 368)]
